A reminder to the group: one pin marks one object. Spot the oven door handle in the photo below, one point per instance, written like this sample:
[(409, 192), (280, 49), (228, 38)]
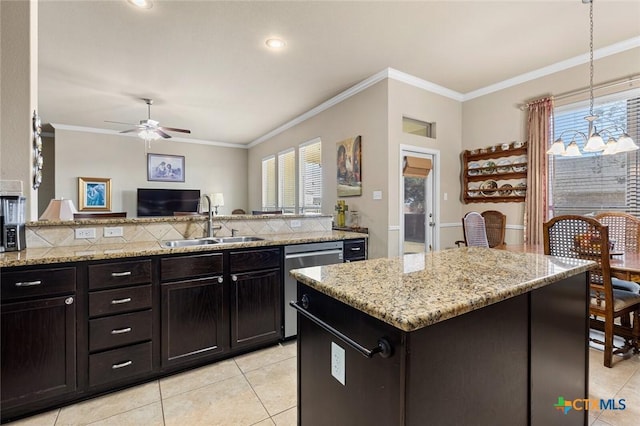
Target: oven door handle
[(312, 253), (383, 347)]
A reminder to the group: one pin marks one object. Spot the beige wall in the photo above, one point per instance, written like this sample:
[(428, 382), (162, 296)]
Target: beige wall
[(495, 118), (364, 114), (19, 93), (123, 159)]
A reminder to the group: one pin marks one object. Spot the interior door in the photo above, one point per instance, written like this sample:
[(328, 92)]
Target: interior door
[(418, 213)]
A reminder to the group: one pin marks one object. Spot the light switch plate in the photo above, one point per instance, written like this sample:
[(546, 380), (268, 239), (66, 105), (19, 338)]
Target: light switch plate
[(296, 223), (113, 231), (337, 363), (377, 195)]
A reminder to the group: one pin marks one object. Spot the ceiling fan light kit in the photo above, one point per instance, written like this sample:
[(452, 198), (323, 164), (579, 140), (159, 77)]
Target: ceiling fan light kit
[(141, 4), (149, 129)]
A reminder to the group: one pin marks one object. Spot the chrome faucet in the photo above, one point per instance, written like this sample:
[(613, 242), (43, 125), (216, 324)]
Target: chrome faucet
[(210, 217), (233, 232)]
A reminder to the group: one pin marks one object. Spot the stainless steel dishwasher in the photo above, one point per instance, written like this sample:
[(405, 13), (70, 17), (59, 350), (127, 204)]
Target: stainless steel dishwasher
[(303, 256)]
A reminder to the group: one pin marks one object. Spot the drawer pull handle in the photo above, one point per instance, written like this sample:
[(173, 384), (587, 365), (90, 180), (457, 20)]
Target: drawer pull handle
[(220, 280), (121, 330), (119, 301), (121, 365), (355, 248), (121, 274), (28, 283)]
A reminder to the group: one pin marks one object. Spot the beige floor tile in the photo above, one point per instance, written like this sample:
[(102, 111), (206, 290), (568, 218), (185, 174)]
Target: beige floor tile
[(109, 405), (228, 402), (44, 419), (198, 378), (630, 392), (287, 418), (149, 415), (605, 382), (275, 385), (265, 422), (267, 356)]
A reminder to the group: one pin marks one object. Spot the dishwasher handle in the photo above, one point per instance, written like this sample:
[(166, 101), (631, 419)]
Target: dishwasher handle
[(312, 253), (383, 347)]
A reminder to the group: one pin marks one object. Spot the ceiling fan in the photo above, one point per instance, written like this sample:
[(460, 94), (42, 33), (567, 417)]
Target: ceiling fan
[(149, 129)]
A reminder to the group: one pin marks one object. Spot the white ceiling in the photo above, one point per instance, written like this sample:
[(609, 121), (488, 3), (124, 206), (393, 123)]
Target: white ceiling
[(207, 68)]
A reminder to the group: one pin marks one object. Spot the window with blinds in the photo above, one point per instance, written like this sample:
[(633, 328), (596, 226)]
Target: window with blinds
[(594, 182), (310, 173), (287, 181), (269, 183)]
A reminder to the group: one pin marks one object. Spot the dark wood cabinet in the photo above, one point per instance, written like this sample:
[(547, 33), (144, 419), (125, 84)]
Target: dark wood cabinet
[(256, 297), (194, 316), (38, 333)]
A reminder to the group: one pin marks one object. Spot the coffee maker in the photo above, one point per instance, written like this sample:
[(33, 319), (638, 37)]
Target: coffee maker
[(12, 223)]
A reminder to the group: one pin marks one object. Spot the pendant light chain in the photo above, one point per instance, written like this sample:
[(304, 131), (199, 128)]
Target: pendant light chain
[(591, 58)]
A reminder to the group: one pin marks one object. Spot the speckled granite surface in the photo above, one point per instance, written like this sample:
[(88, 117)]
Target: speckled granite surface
[(418, 290), (46, 255)]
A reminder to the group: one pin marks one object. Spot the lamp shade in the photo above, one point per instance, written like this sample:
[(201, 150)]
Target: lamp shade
[(217, 199), (61, 209)]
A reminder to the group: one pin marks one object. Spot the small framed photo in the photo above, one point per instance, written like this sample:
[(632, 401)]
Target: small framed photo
[(165, 168), (94, 194)]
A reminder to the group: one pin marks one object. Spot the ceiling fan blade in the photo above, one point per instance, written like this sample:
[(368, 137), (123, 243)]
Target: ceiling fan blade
[(161, 133), (173, 129), (120, 122), (130, 131)]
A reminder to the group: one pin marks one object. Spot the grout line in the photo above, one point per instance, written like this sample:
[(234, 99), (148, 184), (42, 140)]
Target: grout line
[(254, 392), (164, 421)]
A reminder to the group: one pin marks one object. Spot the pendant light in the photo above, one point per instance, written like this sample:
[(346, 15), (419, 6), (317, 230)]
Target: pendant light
[(594, 142)]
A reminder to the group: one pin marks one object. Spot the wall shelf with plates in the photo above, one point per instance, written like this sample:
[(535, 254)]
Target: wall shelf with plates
[(497, 174)]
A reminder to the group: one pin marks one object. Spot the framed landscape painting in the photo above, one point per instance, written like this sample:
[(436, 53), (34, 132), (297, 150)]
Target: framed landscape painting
[(349, 160)]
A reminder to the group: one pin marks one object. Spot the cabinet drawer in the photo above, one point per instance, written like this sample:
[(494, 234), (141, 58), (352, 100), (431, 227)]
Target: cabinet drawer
[(120, 364), (121, 300), (251, 260), (182, 267), (355, 250), (119, 330), (38, 282), (119, 274)]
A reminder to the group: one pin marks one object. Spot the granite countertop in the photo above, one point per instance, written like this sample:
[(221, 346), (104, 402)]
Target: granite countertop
[(416, 290), (40, 256)]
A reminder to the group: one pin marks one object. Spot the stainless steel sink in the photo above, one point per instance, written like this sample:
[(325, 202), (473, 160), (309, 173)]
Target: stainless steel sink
[(223, 240), (190, 243)]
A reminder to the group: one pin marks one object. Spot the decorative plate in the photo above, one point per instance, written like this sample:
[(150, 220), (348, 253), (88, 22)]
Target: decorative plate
[(520, 190), (488, 188), (520, 165), (473, 169), (488, 168), (504, 166), (471, 187), (505, 190)]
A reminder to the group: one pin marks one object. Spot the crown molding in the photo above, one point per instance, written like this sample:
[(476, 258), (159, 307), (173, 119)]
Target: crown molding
[(132, 135)]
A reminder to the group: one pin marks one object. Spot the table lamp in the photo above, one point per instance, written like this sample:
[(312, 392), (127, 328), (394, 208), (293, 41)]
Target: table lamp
[(62, 209), (217, 199)]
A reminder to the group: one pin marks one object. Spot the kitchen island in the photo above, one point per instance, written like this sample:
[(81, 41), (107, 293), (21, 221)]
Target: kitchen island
[(462, 336)]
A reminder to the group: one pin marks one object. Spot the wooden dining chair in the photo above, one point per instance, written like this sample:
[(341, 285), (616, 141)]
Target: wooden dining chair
[(624, 230), (238, 211), (474, 230), (585, 238), (495, 224)]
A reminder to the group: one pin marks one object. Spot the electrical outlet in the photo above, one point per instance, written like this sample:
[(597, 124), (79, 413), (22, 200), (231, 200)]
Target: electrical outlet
[(296, 224), (377, 195), (85, 233), (113, 231), (337, 363)]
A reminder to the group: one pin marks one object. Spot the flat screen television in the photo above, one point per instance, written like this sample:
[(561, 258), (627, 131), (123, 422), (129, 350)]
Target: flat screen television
[(164, 202)]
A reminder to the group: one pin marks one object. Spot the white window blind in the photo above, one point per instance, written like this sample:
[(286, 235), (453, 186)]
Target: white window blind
[(269, 183), (287, 181), (310, 177), (595, 182)]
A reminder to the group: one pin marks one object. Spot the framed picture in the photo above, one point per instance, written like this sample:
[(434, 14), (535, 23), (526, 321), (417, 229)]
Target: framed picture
[(94, 194), (166, 168), (349, 161)]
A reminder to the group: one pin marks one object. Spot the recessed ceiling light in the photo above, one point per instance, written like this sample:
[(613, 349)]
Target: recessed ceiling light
[(275, 43), (142, 4)]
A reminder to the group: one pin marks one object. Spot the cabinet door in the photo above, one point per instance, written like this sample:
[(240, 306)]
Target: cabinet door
[(38, 357), (193, 320), (256, 307)]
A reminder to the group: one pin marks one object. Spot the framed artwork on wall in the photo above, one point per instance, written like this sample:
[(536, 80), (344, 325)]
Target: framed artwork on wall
[(165, 168), (349, 166), (94, 194)]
